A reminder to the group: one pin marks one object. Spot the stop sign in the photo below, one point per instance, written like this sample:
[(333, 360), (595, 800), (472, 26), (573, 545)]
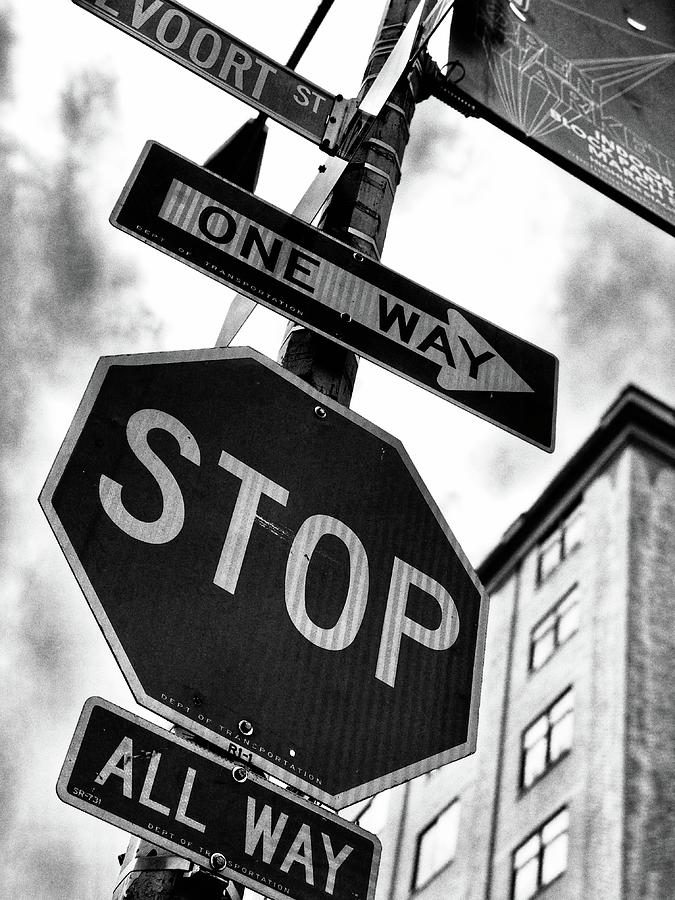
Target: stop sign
[(270, 571)]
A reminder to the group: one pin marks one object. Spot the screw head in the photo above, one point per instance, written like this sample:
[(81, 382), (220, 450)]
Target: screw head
[(245, 728), (218, 861), (320, 412), (239, 774)]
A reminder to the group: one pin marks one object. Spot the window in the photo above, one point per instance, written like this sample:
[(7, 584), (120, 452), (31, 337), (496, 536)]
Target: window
[(554, 629), (547, 739), (541, 858), (436, 845), (568, 534)]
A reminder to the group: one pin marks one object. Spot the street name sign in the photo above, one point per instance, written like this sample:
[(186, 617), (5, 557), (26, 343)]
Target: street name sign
[(270, 571), (164, 789), (222, 59), (287, 265), (590, 85)]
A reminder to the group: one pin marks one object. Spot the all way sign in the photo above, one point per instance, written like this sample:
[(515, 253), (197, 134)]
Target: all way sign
[(149, 782), (240, 240), (225, 61)]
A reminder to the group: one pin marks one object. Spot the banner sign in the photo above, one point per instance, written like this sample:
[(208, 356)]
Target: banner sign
[(587, 83)]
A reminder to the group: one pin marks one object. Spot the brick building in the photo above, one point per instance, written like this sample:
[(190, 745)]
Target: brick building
[(571, 793)]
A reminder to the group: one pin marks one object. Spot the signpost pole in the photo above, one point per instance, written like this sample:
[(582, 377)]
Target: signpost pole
[(357, 214), (359, 210)]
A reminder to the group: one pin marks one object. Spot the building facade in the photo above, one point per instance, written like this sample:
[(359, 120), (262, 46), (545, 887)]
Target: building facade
[(571, 793)]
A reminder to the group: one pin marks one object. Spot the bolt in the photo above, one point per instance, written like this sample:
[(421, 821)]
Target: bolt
[(345, 317), (218, 861), (358, 257), (320, 412), (239, 774), (245, 728)]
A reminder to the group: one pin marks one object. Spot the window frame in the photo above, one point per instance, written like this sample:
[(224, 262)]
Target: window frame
[(549, 763), (558, 536), (420, 885), (554, 615), (540, 854)]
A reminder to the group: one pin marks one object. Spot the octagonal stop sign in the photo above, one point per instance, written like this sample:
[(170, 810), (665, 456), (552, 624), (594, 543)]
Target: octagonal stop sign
[(270, 571)]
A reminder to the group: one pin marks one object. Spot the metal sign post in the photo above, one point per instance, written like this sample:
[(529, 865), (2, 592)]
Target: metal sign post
[(363, 616)]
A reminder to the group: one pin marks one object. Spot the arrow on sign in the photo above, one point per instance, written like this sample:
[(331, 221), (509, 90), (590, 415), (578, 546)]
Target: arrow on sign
[(316, 280), (466, 360)]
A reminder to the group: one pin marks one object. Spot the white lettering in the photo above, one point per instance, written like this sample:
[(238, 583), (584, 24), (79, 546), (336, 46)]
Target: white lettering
[(196, 45), (301, 95), (141, 15), (262, 78), (334, 862), (253, 485), (317, 102), (170, 522), (181, 812), (163, 27), (238, 65), (346, 628), (150, 776), (103, 4), (262, 829), (302, 842), (397, 623), (123, 754)]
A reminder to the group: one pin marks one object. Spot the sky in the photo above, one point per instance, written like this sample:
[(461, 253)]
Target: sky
[(478, 218)]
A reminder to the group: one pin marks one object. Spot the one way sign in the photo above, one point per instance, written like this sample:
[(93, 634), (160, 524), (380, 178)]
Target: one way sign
[(308, 276)]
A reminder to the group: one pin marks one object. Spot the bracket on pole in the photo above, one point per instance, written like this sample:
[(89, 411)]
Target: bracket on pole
[(340, 116), (443, 86), (156, 864)]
